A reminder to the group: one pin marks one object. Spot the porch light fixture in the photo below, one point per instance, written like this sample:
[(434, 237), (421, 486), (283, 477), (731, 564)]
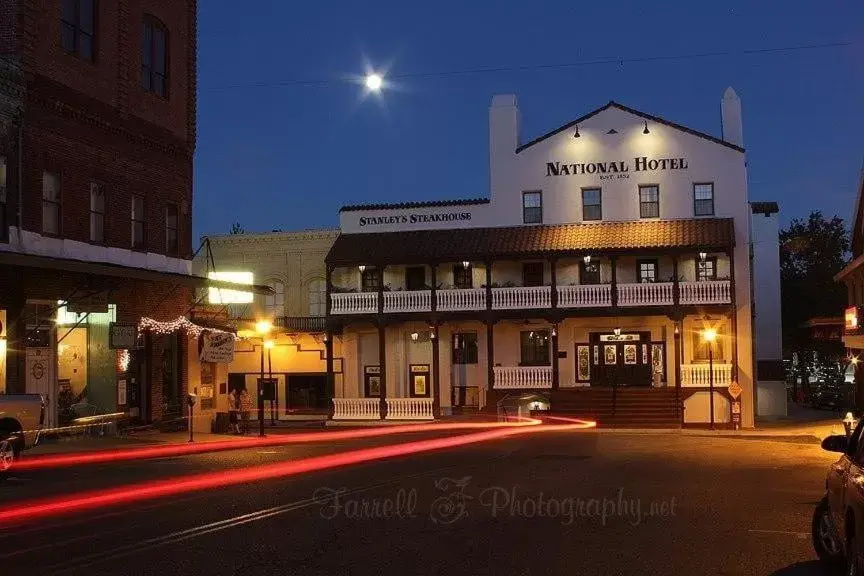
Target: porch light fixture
[(263, 327), (465, 264), (268, 344), (554, 332), (703, 256), (709, 335), (362, 268), (646, 131), (414, 336), (854, 360), (617, 331), (576, 134), (432, 334), (326, 337), (587, 259)]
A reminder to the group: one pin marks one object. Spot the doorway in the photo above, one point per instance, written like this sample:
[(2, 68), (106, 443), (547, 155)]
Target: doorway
[(622, 359)]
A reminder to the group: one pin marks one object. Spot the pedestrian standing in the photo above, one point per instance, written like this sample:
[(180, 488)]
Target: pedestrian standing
[(234, 411), (245, 407)]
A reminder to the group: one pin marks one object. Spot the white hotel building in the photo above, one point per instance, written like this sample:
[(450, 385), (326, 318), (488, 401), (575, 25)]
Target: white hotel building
[(587, 282)]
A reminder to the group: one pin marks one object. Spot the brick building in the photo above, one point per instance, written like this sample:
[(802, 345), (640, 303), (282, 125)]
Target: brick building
[(97, 136)]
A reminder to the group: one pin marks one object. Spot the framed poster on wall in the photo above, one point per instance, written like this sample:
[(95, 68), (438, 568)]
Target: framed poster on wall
[(419, 380)]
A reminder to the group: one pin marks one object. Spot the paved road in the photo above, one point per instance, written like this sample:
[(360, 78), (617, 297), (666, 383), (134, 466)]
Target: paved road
[(557, 503)]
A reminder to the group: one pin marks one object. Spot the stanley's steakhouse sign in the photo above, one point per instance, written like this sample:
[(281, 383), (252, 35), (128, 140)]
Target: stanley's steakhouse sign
[(616, 168)]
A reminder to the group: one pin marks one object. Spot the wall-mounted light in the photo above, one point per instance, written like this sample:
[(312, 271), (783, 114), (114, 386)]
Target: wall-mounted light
[(676, 329), (617, 331), (646, 131), (554, 332), (465, 264), (414, 336), (587, 259), (432, 333), (362, 268), (326, 337), (703, 255), (268, 344), (576, 134)]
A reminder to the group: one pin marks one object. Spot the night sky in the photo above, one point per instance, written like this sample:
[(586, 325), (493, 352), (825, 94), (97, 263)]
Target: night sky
[(286, 135)]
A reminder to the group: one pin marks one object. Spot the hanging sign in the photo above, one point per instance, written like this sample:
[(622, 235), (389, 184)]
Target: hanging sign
[(216, 347), (123, 336)]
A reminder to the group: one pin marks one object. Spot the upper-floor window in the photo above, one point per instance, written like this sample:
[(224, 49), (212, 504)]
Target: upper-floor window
[(97, 213), (535, 348), (703, 199), (154, 56), (317, 298), (370, 281), (415, 278), (137, 221), (592, 207), (463, 276), (50, 203), (4, 226), (532, 274), (275, 302), (78, 27), (647, 271), (649, 201), (172, 230), (706, 269), (532, 207)]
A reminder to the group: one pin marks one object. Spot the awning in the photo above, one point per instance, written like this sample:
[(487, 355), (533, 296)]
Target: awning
[(120, 271), (704, 234)]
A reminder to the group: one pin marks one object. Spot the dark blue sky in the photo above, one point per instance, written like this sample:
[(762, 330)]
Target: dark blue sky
[(288, 156)]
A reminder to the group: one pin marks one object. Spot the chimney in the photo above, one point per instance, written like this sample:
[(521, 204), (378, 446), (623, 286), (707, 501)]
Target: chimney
[(504, 137), (730, 106)]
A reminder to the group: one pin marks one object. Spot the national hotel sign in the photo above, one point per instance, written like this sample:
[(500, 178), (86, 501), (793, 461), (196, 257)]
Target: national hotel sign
[(615, 168)]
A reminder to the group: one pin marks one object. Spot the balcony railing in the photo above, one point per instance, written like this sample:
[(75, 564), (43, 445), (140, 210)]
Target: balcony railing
[(646, 294), (521, 297), (356, 409), (585, 296), (408, 301), (699, 375), (302, 323), (409, 409), (710, 292), (467, 299), (525, 297), (522, 377), (354, 303)]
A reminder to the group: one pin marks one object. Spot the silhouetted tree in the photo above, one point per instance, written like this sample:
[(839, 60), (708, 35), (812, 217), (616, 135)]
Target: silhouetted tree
[(236, 228)]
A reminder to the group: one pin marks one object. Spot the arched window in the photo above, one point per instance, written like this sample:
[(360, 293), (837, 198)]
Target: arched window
[(275, 303), (317, 298)]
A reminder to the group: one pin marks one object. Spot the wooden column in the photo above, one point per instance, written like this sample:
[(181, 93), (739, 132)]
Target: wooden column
[(490, 355), (380, 270), (329, 278), (330, 392), (434, 287), (382, 366), (677, 351), (553, 276), (16, 333), (555, 369), (676, 287), (614, 260), (489, 285), (436, 377)]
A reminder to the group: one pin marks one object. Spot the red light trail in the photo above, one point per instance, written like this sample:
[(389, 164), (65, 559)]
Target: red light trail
[(173, 486), (102, 456)]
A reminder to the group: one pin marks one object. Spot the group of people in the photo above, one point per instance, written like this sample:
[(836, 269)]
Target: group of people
[(239, 407)]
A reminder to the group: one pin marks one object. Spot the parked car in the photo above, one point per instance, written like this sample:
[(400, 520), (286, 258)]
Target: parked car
[(21, 418)]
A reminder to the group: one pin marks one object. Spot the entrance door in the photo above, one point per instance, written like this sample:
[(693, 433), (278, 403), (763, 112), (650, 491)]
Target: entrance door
[(621, 360)]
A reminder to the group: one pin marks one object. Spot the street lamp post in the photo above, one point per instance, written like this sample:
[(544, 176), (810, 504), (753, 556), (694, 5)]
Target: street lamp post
[(269, 346), (710, 336), (263, 328)]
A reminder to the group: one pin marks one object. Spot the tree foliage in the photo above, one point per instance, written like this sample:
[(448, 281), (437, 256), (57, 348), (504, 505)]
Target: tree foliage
[(236, 228), (812, 252)]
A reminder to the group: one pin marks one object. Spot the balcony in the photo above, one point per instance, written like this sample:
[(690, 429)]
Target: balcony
[(699, 375), (354, 303), (646, 294), (586, 296), (522, 377), (459, 300), (711, 292), (521, 297), (302, 323), (370, 409)]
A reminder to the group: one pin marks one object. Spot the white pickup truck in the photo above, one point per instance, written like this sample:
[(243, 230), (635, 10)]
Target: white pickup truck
[(21, 418)]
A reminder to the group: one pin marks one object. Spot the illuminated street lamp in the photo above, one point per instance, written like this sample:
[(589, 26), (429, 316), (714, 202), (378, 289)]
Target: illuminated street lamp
[(709, 335), (263, 328)]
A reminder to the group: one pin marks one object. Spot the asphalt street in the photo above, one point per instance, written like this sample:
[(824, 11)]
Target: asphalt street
[(552, 503)]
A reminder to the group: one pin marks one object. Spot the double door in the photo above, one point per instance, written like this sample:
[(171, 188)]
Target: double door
[(623, 359)]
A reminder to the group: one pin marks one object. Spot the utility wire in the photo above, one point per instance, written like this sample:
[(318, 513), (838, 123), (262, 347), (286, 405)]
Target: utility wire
[(605, 61)]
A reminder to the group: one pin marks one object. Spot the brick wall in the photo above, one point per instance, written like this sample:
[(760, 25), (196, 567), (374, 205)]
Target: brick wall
[(93, 120)]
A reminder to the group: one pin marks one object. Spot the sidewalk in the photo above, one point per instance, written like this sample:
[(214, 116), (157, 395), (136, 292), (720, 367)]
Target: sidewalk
[(74, 444)]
